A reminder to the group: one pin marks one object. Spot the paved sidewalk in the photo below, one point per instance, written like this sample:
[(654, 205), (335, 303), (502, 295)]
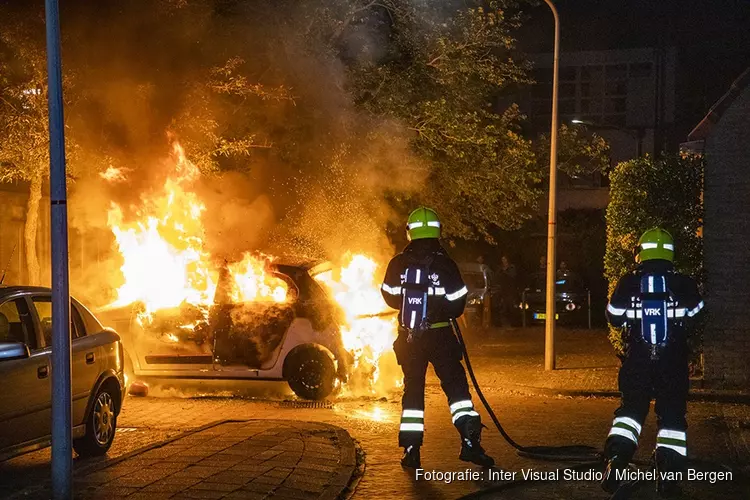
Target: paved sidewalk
[(586, 364), (243, 460)]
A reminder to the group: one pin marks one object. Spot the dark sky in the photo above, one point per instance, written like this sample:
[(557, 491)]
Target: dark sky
[(712, 38)]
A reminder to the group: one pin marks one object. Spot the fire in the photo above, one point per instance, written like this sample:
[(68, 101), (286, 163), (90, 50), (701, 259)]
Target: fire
[(251, 281), (165, 263), (369, 326), (114, 174)]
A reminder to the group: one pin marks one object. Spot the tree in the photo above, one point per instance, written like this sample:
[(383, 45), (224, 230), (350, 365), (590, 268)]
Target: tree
[(24, 136), (648, 192), (438, 69)]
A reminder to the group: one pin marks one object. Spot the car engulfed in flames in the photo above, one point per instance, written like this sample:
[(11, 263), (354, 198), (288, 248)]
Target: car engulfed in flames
[(186, 314)]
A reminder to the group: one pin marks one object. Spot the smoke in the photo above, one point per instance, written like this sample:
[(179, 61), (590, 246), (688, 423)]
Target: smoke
[(319, 183)]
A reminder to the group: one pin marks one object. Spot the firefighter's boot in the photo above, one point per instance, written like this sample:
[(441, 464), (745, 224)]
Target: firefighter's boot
[(618, 452), (411, 457), (669, 464), (470, 429)]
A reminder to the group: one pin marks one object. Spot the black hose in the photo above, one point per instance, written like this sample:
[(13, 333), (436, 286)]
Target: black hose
[(570, 453)]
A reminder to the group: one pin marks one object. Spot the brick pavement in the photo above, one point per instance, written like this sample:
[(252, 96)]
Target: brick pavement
[(238, 460)]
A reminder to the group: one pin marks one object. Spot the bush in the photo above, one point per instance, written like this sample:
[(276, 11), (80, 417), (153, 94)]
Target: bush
[(648, 192)]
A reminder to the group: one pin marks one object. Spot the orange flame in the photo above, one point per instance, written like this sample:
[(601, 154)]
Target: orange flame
[(165, 261), (369, 327)]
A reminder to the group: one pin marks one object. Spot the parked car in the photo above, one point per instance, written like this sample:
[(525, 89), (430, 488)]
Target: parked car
[(297, 341), (483, 299), (25, 365), (572, 300)]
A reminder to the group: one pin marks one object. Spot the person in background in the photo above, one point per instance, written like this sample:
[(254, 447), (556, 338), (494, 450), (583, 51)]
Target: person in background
[(507, 279), (563, 270)]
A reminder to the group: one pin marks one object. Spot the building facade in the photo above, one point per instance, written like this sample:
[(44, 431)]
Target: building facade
[(625, 96), (724, 138)]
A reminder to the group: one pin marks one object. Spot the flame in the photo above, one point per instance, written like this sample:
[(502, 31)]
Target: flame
[(252, 282), (114, 174), (369, 327), (165, 263)]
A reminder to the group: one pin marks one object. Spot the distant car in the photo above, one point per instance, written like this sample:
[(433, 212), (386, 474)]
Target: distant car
[(483, 300), (297, 341), (571, 300), (25, 370)]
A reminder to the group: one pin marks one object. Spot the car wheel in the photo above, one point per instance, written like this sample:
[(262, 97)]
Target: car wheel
[(311, 373), (101, 424)]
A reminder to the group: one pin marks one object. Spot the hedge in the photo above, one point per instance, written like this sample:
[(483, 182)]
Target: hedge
[(648, 192)]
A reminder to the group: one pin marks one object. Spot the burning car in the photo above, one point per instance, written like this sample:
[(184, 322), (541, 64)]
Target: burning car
[(280, 324)]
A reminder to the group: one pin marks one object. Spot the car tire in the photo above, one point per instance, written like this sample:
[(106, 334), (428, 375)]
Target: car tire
[(101, 423), (311, 373)]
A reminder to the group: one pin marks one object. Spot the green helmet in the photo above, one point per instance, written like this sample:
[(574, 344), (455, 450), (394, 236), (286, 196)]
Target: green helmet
[(423, 223), (655, 244)]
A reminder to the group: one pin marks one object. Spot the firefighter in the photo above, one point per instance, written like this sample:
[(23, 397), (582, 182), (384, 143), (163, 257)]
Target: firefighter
[(656, 307), (425, 285)]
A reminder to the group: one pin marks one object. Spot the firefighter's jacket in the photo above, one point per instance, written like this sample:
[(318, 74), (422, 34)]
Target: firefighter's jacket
[(447, 291), (683, 303)]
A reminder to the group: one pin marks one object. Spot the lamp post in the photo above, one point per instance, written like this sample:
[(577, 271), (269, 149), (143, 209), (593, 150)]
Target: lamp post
[(62, 461), (549, 333)]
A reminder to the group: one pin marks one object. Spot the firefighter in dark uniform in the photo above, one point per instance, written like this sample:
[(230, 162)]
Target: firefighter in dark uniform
[(655, 306), (425, 285)]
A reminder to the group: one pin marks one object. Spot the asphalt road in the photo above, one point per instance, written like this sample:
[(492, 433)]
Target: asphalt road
[(719, 433)]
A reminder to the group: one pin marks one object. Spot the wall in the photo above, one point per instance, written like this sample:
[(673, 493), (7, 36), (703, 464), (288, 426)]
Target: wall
[(727, 247)]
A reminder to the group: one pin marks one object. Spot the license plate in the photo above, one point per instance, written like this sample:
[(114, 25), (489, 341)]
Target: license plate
[(544, 316)]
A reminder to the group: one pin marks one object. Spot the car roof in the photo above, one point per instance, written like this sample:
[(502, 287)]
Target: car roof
[(303, 263)]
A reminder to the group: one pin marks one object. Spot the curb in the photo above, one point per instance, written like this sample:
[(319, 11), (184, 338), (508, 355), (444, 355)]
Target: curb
[(341, 487), (694, 395)]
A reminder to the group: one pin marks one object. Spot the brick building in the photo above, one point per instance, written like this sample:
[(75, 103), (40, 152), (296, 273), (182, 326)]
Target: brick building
[(724, 137)]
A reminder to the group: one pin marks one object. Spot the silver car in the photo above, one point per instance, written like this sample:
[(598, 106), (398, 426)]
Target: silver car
[(25, 369)]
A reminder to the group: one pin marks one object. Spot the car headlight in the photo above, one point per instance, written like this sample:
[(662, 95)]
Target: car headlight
[(523, 306), (475, 301)]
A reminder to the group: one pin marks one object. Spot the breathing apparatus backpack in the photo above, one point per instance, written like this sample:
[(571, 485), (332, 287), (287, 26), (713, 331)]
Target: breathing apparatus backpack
[(415, 286), (655, 297)]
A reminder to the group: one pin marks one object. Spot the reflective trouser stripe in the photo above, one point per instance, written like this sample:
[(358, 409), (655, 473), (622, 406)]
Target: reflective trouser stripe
[(463, 413), (412, 421), (674, 440), (462, 409), (413, 413), (627, 428), (466, 404), (411, 427)]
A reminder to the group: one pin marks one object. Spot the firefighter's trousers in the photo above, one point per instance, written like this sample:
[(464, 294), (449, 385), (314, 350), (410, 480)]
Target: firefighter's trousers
[(440, 347), (642, 378)]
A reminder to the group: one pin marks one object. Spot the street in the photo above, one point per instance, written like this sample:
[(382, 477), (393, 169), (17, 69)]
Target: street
[(719, 433)]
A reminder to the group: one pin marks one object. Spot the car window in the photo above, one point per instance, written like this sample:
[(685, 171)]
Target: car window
[(43, 306), (15, 323)]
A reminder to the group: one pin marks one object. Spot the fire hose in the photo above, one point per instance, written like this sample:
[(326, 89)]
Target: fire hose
[(570, 453), (585, 457)]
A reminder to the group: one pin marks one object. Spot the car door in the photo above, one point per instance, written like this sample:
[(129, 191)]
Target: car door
[(25, 408), (84, 363)]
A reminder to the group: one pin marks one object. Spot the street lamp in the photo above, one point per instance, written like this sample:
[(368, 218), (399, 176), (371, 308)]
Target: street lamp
[(549, 332), (635, 134), (62, 461)]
